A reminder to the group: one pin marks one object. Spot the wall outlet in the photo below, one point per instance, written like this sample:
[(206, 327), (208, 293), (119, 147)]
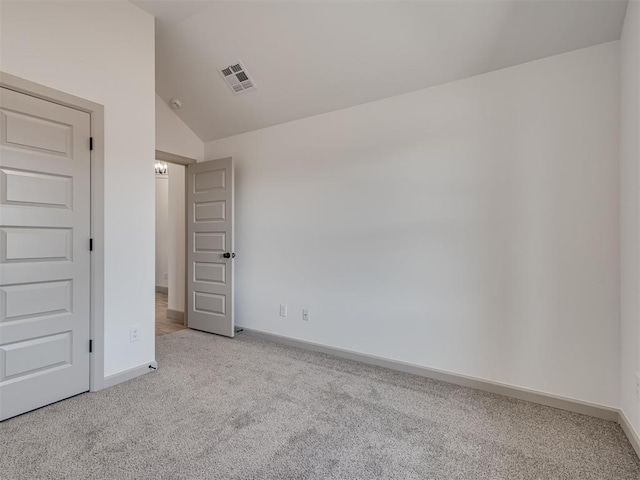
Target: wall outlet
[(165, 275), (135, 333), (305, 314), (283, 309), (638, 385)]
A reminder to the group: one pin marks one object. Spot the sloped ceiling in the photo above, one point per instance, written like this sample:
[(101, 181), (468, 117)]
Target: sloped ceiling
[(311, 57)]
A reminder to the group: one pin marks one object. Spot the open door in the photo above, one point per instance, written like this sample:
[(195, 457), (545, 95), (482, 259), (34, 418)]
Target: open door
[(210, 247)]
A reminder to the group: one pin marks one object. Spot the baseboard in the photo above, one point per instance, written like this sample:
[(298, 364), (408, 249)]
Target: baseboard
[(160, 289), (542, 398), (175, 314), (630, 432), (130, 374)]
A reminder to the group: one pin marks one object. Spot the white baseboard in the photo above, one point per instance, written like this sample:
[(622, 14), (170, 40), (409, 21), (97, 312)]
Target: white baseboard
[(175, 314), (542, 398), (130, 374), (632, 435)]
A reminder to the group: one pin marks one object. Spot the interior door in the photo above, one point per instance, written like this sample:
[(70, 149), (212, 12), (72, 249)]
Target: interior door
[(44, 252), (210, 246)]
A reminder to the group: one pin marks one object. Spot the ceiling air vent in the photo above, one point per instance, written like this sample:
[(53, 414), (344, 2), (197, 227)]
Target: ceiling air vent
[(237, 78)]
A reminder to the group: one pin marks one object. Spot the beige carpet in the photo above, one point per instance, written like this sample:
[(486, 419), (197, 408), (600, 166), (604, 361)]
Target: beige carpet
[(248, 409)]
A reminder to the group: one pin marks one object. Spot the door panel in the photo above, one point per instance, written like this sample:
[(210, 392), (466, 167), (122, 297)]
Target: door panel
[(209, 242), (210, 272), (209, 237), (35, 244), (209, 212), (44, 252), (34, 133), (33, 300), (22, 358), (26, 188)]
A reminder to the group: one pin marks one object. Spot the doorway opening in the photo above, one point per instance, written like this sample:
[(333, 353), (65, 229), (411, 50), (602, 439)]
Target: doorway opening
[(170, 247), (194, 278)]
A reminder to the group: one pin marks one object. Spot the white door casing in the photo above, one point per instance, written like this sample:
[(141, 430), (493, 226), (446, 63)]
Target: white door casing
[(210, 251), (44, 252)]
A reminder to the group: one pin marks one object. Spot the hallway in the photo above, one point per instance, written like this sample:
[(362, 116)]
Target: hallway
[(165, 325)]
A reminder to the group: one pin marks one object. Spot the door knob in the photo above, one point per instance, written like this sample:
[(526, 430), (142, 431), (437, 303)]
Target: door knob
[(229, 255)]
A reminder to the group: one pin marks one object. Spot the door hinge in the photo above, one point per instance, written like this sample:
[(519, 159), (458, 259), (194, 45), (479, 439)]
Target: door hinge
[(90, 143), (91, 244), (90, 346)]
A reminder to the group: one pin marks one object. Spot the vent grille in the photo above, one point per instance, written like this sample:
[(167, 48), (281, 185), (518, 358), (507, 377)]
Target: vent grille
[(237, 78)]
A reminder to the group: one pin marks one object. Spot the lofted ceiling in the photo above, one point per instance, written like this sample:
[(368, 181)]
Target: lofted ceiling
[(311, 57)]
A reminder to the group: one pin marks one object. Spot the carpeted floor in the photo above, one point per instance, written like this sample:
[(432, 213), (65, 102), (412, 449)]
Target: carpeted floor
[(249, 409)]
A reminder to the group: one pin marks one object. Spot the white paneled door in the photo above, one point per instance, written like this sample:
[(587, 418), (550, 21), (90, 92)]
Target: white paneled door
[(210, 246), (44, 252)]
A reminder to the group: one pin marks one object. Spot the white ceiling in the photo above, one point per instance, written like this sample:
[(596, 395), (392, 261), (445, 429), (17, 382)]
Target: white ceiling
[(310, 57)]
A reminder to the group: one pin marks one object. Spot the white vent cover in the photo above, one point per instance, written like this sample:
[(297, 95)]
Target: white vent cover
[(237, 78)]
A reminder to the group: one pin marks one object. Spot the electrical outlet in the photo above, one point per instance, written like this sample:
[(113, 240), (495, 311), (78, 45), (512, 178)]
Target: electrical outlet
[(135, 333), (283, 309), (638, 385), (305, 314), (165, 275)]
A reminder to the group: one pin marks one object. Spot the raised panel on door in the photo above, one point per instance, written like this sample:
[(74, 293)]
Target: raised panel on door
[(44, 254), (29, 188), (210, 272), (33, 300), (35, 355), (209, 211), (30, 132), (210, 240), (36, 244)]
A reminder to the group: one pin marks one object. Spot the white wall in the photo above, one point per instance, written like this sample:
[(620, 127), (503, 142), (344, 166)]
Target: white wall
[(630, 211), (104, 52), (470, 227), (173, 135), (176, 237), (162, 230)]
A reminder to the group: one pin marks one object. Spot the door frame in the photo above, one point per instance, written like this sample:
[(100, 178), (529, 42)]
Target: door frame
[(96, 280), (167, 157)]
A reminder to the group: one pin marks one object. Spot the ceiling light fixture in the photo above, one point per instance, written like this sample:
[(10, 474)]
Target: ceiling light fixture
[(162, 168)]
